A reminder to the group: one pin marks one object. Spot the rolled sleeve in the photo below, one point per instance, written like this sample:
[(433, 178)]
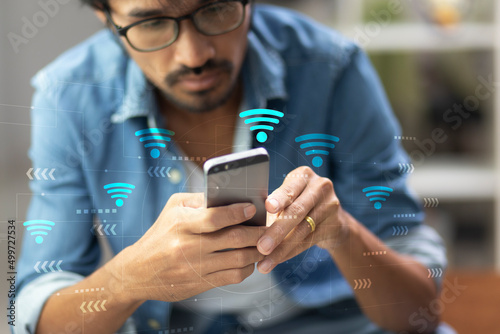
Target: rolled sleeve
[(426, 246), (33, 296)]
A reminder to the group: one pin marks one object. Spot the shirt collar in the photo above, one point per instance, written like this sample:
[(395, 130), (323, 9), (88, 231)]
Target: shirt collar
[(263, 77), (139, 95)]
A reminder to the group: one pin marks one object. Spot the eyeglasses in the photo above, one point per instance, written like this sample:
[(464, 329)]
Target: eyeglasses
[(156, 33)]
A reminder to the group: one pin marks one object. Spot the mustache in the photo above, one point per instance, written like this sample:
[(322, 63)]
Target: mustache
[(218, 65)]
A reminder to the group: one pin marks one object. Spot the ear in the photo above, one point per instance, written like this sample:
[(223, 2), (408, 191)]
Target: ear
[(101, 16)]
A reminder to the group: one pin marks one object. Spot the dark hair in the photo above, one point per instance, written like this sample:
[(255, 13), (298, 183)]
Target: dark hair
[(100, 4), (97, 4)]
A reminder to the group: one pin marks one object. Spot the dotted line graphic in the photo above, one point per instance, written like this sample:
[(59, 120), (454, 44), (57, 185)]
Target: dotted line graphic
[(374, 253), (404, 138), (405, 215), (94, 211)]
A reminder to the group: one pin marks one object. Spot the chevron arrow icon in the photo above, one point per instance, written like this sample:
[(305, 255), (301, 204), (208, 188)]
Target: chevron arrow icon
[(406, 168), (355, 284), (106, 229), (99, 229), (43, 266), (52, 172), (58, 265), (161, 172), (113, 229), (36, 174), (43, 174), (156, 172), (431, 202), (50, 266), (82, 307), (28, 173), (149, 171), (36, 267), (168, 171)]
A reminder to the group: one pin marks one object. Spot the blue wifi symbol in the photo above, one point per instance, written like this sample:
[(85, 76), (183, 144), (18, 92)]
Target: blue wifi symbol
[(119, 190), (317, 161), (36, 226), (152, 136), (378, 191), (262, 136)]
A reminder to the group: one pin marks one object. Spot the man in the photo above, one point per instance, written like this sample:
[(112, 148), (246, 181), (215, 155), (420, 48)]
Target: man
[(186, 69)]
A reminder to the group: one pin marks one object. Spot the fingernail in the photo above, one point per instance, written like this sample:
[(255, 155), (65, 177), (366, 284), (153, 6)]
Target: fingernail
[(266, 244), (249, 211), (266, 266), (274, 204)]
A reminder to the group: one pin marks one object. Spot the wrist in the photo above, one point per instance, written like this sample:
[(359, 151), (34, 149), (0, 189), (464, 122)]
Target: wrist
[(347, 227), (124, 270)]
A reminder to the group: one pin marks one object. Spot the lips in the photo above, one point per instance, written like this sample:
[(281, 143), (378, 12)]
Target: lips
[(202, 82)]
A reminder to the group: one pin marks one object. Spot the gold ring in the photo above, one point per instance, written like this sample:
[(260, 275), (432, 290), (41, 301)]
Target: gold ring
[(311, 223)]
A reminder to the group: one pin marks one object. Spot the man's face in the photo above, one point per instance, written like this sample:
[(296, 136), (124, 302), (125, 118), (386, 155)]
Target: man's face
[(197, 72)]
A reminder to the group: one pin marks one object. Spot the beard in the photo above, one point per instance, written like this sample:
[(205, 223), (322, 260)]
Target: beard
[(200, 101)]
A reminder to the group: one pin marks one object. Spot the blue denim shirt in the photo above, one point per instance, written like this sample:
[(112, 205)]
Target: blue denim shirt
[(90, 102)]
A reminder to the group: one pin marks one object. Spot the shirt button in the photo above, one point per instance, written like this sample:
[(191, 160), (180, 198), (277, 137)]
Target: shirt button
[(154, 324), (175, 176)]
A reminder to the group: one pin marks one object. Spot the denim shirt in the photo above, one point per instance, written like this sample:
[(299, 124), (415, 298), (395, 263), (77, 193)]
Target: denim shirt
[(90, 102)]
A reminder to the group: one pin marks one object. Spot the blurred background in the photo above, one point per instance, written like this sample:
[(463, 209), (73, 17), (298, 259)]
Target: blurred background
[(439, 63)]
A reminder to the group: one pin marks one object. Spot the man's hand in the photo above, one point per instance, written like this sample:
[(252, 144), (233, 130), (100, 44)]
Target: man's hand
[(303, 193), (180, 255)]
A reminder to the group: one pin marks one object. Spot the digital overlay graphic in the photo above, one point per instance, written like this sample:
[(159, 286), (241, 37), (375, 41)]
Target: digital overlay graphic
[(39, 228), (378, 194), (266, 122), (119, 191), (154, 138), (311, 143)]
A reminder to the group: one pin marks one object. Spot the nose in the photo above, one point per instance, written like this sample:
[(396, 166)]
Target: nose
[(193, 49)]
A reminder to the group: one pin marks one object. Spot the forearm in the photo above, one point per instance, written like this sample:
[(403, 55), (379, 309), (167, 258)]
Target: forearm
[(399, 284), (111, 305)]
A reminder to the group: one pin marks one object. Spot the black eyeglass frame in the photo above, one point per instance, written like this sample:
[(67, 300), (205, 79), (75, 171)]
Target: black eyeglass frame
[(122, 31)]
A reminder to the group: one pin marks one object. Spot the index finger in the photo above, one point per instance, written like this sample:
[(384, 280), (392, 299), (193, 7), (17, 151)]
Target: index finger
[(293, 185), (217, 218)]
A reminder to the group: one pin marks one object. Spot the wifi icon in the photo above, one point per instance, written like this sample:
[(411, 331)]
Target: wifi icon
[(378, 194), (264, 118), (119, 191), (153, 137), (38, 227), (328, 142)]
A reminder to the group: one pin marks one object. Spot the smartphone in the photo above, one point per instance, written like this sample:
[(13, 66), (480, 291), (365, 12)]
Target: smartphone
[(241, 177)]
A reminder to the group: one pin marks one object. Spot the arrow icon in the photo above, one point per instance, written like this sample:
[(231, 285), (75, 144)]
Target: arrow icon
[(435, 272), (159, 171), (96, 306), (399, 230), (431, 202), (28, 173), (364, 283), (44, 266), (99, 229), (42, 176), (406, 168)]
